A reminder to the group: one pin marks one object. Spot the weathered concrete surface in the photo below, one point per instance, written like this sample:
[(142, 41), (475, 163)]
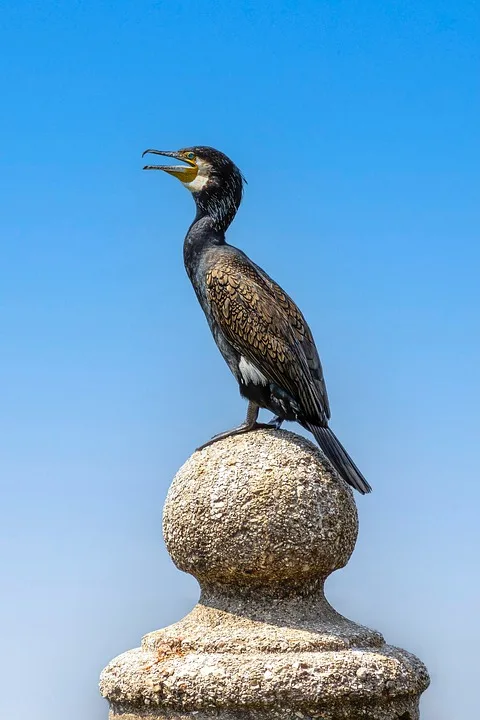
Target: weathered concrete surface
[(261, 520), (260, 509)]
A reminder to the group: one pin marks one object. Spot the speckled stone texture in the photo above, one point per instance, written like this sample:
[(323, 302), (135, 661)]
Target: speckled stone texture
[(261, 520)]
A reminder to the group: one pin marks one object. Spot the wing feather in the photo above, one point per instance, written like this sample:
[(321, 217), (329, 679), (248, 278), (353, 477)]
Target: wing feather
[(304, 337), (264, 325)]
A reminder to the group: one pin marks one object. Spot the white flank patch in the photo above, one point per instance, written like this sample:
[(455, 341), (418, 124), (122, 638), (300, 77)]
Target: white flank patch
[(204, 169), (250, 374)]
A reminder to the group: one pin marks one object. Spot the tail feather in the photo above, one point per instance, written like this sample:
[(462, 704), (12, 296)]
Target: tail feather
[(340, 459)]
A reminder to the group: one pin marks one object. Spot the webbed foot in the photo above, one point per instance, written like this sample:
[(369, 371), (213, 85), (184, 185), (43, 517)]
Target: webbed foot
[(240, 430)]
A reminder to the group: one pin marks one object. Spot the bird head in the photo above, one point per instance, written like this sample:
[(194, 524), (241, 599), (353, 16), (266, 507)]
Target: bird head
[(214, 180)]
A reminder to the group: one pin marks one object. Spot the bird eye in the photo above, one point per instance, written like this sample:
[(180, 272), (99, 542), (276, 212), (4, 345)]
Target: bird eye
[(190, 156)]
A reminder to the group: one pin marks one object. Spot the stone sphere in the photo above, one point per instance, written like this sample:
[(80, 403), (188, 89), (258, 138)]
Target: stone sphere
[(263, 508)]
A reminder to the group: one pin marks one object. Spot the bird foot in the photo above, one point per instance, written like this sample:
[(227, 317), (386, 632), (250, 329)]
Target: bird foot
[(275, 423), (240, 430)]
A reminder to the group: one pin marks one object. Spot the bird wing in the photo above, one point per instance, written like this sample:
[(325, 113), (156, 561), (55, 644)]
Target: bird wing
[(264, 328), (303, 335)]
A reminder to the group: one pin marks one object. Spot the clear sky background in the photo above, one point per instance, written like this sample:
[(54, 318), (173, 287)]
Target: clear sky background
[(356, 125)]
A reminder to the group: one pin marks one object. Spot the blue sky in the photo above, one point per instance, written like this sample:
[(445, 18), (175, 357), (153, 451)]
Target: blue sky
[(356, 125)]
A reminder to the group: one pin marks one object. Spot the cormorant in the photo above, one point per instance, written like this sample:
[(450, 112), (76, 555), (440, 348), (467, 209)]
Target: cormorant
[(259, 330)]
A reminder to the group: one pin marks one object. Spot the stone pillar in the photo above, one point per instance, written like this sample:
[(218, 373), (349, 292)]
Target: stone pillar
[(261, 520)]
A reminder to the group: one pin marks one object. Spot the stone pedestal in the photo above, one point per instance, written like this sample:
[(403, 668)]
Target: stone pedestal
[(261, 520)]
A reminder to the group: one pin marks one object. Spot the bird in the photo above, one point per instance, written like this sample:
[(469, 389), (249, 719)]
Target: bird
[(259, 330)]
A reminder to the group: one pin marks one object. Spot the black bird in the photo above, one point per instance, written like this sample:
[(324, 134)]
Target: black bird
[(258, 328)]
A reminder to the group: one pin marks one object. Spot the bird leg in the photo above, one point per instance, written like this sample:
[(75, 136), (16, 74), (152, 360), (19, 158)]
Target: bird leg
[(250, 423)]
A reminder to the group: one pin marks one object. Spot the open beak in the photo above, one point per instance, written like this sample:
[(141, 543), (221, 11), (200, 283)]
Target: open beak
[(186, 173)]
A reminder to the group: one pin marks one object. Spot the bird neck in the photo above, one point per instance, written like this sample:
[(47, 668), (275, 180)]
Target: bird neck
[(216, 207), (218, 203), (202, 235)]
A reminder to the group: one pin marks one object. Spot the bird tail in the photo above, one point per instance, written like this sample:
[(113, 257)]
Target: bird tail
[(340, 459)]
